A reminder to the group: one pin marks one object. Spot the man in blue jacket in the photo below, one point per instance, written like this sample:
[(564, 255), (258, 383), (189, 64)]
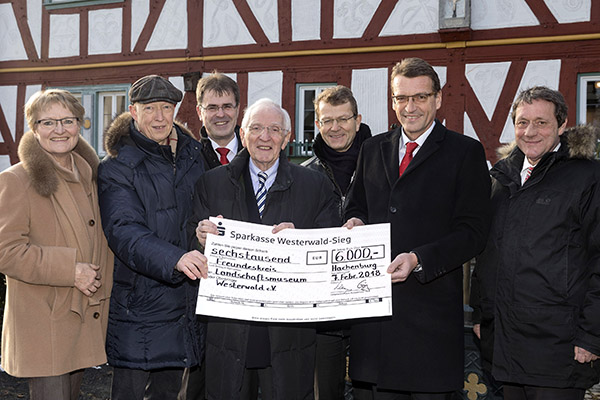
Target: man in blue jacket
[(145, 189)]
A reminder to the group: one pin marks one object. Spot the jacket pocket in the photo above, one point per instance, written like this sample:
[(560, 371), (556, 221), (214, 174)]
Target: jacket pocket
[(541, 340)]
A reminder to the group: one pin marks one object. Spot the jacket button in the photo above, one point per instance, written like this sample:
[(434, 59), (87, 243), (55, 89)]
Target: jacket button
[(393, 210), (96, 315), (91, 222)]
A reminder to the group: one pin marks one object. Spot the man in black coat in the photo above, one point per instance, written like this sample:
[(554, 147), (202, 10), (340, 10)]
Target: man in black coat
[(437, 201), (218, 98), (241, 356), (336, 150), (536, 287), (218, 106)]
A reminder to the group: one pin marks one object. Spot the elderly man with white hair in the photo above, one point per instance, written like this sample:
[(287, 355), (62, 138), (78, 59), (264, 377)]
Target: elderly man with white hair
[(241, 356)]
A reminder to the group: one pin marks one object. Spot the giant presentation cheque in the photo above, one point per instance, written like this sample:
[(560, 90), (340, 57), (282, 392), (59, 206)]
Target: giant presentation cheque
[(296, 275)]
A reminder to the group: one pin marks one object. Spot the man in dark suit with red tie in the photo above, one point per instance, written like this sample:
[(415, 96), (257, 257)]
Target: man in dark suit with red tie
[(218, 98), (433, 186)]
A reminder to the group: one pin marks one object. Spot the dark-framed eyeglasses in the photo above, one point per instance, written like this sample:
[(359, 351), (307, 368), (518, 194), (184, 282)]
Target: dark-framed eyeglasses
[(52, 123), (418, 98)]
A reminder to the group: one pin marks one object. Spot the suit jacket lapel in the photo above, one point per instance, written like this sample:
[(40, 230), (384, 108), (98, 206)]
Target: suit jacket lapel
[(389, 153), (431, 145)]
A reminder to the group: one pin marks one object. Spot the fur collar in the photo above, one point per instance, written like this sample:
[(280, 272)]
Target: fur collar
[(119, 129), (40, 167), (581, 140)]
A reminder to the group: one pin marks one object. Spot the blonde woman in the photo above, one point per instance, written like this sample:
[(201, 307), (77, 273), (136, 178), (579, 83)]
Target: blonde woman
[(53, 252)]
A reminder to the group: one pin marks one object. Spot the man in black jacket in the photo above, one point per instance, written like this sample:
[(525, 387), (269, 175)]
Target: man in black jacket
[(536, 287), (336, 150), (243, 356), (218, 98), (437, 202)]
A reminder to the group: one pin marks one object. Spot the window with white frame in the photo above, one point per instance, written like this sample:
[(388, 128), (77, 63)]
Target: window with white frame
[(102, 104), (588, 99), (306, 130)]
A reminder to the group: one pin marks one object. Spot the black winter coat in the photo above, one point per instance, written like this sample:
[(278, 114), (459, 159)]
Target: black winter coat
[(211, 159), (537, 284), (145, 199), (302, 197), (439, 209)]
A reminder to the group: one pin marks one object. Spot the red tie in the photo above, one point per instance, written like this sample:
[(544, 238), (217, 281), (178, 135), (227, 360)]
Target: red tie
[(223, 152), (408, 156)]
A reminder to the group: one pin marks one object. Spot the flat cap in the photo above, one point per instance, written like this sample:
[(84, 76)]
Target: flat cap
[(153, 88)]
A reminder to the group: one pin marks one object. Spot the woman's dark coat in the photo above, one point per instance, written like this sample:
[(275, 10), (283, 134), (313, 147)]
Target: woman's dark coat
[(145, 199), (537, 285), (302, 197)]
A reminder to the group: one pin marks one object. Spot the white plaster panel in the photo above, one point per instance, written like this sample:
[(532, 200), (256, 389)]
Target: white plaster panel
[(177, 81), (34, 21), (351, 17), (105, 31), (442, 73), (64, 35), (568, 11), (487, 81), (11, 45), (541, 72), (370, 89), (171, 30), (412, 16), (306, 20), (4, 162), (265, 12), (8, 102), (501, 14), (30, 90), (468, 128), (223, 25), (267, 84), (140, 9)]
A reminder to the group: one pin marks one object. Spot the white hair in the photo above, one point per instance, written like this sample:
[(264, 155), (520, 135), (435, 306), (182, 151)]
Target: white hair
[(262, 104)]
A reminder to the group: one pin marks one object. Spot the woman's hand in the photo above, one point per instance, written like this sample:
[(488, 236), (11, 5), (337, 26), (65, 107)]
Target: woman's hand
[(87, 278)]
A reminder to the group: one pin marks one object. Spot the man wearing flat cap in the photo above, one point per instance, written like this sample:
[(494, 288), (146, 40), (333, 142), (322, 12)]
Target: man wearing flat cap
[(145, 189)]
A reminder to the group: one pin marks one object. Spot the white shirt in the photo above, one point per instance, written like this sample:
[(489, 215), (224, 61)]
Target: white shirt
[(271, 175), (420, 140), (527, 164), (232, 146)]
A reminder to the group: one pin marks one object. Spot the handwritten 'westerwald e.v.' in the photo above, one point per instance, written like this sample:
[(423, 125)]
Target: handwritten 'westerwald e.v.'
[(296, 275)]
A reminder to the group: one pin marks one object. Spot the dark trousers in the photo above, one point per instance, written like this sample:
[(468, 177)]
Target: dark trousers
[(255, 378), (331, 366), (524, 392), (368, 391), (137, 384), (62, 387), (193, 385)]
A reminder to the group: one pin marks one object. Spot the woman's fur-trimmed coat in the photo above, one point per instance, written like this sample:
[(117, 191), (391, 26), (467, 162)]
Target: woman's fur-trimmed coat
[(50, 327)]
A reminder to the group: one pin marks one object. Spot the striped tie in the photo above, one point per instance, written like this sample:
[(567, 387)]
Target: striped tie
[(261, 195), (527, 174)]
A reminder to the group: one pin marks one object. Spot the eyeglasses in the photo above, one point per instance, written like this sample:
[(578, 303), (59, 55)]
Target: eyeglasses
[(418, 98), (328, 122), (259, 129), (213, 108), (51, 123)]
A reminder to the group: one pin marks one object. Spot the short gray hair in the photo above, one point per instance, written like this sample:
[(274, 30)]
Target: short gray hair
[(262, 104)]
